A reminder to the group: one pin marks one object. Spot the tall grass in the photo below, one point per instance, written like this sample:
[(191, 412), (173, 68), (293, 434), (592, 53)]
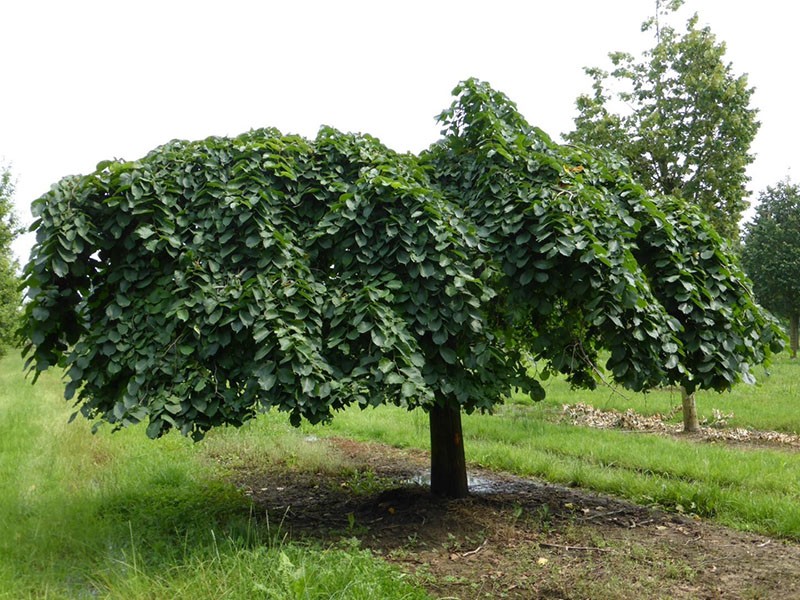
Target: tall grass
[(285, 571), (121, 516)]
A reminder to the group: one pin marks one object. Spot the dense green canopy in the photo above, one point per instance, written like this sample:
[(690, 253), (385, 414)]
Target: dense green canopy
[(210, 280)]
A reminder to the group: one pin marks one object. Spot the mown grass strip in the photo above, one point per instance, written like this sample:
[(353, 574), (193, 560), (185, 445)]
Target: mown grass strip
[(716, 464)]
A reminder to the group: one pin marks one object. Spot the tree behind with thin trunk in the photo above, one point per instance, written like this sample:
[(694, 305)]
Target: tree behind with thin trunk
[(680, 117)]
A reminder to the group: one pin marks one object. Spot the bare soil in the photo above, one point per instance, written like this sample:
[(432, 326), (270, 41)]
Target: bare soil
[(517, 538)]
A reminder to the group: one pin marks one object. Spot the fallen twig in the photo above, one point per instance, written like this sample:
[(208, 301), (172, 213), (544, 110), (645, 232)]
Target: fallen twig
[(590, 548), (634, 524), (601, 514), (478, 549)]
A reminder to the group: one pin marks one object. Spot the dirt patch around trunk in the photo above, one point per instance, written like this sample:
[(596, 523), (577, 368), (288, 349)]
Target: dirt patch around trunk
[(514, 537)]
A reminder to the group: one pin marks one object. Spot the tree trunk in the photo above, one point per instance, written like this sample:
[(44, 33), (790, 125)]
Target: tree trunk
[(448, 465), (690, 423), (793, 334)]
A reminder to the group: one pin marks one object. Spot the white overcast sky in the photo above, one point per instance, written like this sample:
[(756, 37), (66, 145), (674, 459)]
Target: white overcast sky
[(83, 81)]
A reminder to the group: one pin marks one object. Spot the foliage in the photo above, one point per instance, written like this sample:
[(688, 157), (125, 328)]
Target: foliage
[(10, 297), (214, 279), (680, 117), (771, 253), (592, 261)]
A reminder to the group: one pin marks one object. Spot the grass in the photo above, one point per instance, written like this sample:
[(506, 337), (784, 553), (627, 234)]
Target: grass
[(121, 516), (753, 490), (283, 572), (748, 488)]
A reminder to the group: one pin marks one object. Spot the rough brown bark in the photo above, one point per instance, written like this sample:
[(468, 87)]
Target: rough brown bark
[(448, 465), (690, 422), (793, 334)]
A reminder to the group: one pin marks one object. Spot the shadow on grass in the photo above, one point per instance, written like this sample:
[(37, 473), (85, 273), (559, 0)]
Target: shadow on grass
[(171, 516)]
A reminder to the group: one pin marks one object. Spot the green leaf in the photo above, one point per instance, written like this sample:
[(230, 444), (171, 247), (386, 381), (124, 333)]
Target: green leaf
[(527, 277), (378, 338), (394, 379), (408, 389), (145, 231), (260, 333), (60, 268), (448, 354), (40, 313)]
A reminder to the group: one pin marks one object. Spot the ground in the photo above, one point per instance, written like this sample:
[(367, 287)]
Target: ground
[(516, 538)]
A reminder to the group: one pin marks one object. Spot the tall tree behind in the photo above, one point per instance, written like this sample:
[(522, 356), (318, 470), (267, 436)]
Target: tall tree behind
[(679, 116), (10, 299), (771, 253)]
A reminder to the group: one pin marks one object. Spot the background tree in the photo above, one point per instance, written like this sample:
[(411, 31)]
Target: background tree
[(682, 120), (10, 297), (771, 253), (212, 280), (679, 116)]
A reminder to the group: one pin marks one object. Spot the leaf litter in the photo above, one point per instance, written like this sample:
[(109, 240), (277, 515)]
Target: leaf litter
[(587, 415)]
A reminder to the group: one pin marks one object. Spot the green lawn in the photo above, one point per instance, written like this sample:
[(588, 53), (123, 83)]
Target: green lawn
[(120, 516)]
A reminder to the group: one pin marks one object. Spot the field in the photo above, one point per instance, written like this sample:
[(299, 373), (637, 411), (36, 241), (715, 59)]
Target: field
[(334, 512)]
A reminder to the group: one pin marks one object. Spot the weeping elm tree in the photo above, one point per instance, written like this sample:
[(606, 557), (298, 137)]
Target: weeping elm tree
[(213, 280)]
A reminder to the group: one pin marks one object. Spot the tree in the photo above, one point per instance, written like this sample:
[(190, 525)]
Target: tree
[(771, 253), (10, 297), (685, 129), (212, 280), (679, 116)]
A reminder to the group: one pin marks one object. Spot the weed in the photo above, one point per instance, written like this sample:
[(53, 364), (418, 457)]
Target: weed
[(517, 513), (679, 571), (353, 528), (366, 483), (544, 517)]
